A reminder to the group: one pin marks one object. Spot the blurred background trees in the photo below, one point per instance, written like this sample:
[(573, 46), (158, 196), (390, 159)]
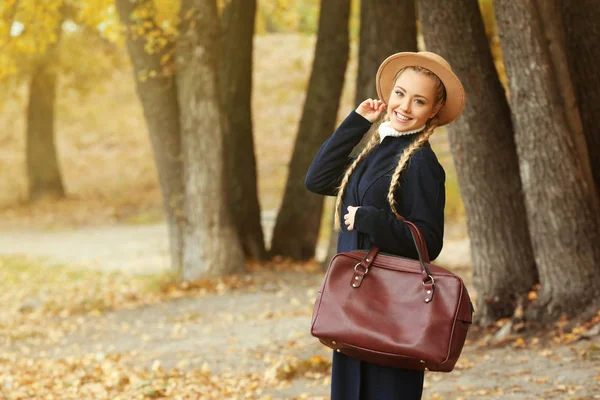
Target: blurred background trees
[(523, 156), (299, 217), (483, 146), (561, 201), (158, 96), (36, 38), (236, 70)]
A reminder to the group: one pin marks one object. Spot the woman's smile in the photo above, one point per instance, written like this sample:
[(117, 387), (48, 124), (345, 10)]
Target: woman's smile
[(401, 117)]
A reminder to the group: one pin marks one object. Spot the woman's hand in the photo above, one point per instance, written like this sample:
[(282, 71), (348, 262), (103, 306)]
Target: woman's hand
[(371, 109), (349, 218)]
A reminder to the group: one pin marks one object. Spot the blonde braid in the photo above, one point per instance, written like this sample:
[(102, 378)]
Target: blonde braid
[(403, 161), (374, 141)]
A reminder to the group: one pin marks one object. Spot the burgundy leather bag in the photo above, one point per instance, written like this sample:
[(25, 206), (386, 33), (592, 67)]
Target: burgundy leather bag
[(393, 311)]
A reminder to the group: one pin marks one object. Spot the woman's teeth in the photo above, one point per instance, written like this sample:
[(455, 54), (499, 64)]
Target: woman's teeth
[(402, 117)]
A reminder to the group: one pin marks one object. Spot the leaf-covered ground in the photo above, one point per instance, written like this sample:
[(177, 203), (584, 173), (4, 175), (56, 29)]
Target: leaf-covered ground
[(69, 333)]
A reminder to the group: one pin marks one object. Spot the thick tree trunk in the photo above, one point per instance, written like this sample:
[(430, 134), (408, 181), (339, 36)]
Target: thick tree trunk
[(43, 171), (562, 209), (582, 31), (236, 86), (158, 96), (212, 246), (386, 27), (297, 225), (485, 158), (555, 39)]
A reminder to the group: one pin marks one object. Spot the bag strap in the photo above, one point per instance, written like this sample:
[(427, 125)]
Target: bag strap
[(422, 252), (362, 268)]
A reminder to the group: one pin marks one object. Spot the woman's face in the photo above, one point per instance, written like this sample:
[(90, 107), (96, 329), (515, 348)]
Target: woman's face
[(412, 101)]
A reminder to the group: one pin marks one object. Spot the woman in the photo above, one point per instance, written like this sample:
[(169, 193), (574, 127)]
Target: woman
[(396, 176)]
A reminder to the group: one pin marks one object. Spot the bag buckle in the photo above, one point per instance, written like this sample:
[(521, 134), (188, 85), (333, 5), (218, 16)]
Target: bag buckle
[(429, 287), (364, 271), (360, 271), (427, 280)]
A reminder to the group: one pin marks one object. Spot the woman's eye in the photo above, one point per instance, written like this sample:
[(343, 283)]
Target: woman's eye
[(400, 93), (419, 102)]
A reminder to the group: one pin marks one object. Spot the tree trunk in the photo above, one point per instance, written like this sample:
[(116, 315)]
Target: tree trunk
[(158, 96), (485, 157), (562, 209), (582, 32), (386, 27), (236, 86), (555, 39), (43, 171), (212, 246), (332, 244), (297, 225)]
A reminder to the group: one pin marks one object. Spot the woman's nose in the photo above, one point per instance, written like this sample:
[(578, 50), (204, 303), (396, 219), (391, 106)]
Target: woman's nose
[(405, 105)]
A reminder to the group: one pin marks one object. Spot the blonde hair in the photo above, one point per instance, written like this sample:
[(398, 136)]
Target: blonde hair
[(420, 140)]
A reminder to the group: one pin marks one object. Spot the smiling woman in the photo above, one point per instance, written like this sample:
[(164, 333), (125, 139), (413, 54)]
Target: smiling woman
[(413, 100), (380, 189)]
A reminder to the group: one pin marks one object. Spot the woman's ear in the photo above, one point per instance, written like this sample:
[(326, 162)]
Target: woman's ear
[(432, 120), (435, 110)]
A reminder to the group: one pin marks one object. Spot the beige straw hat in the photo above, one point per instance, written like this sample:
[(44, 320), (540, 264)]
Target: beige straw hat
[(455, 93)]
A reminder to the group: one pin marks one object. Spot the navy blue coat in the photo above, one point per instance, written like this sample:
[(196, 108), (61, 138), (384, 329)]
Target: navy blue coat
[(420, 198)]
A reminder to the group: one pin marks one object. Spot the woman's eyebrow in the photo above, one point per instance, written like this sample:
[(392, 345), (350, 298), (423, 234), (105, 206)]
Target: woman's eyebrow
[(416, 95)]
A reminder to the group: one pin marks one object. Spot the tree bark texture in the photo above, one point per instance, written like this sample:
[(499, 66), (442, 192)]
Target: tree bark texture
[(158, 96), (299, 218), (485, 157), (43, 170), (555, 40), (236, 86), (386, 27), (581, 23), (562, 210), (212, 246)]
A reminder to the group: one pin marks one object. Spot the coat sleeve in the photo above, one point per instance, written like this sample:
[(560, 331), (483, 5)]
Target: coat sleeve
[(423, 195), (328, 166)]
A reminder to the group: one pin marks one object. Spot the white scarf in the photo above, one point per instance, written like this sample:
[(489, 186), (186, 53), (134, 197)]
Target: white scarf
[(385, 129)]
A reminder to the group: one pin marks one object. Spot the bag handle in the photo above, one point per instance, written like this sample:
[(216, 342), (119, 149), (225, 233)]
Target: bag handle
[(422, 252), (362, 268), (422, 246)]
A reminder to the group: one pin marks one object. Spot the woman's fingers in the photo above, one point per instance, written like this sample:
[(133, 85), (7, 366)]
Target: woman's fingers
[(372, 104), (371, 109)]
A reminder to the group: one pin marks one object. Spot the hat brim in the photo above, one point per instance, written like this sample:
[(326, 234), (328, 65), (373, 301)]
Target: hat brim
[(455, 93)]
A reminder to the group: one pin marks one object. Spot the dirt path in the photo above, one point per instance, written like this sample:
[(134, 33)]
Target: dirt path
[(262, 329), (259, 330), (136, 248)]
